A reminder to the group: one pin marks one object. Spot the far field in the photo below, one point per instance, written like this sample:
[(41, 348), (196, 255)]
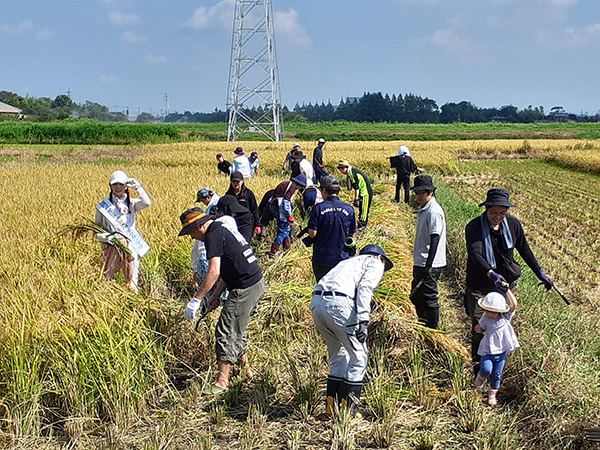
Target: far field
[(92, 132), (86, 364)]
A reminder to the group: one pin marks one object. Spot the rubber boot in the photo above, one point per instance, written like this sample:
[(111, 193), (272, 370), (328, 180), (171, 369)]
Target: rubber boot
[(492, 401), (480, 383), (334, 386), (274, 249), (354, 389), (286, 244)]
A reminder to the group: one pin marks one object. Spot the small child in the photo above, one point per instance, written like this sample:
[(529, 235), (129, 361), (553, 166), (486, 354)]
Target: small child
[(499, 339)]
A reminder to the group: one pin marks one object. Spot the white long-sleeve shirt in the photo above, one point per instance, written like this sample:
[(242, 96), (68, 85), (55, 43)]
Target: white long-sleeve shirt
[(135, 205), (357, 278)]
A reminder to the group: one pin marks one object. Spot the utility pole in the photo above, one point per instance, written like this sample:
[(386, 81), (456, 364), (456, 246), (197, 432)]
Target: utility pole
[(253, 74), (166, 99)]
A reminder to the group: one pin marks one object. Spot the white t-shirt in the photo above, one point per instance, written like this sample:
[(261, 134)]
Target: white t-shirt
[(430, 220)]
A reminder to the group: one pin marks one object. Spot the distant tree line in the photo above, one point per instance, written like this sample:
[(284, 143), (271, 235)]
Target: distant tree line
[(371, 107)]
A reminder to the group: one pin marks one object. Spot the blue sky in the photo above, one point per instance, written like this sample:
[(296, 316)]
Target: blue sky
[(128, 53)]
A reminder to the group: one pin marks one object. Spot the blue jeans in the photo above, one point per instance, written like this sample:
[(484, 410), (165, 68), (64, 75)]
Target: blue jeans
[(493, 365)]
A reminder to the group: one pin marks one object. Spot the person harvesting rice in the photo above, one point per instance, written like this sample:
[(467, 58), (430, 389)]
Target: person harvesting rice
[(116, 213)]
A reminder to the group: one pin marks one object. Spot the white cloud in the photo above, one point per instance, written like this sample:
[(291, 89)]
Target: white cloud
[(288, 28), (220, 15), (27, 29), (452, 44), (132, 38), (120, 18), (569, 37), (155, 59), (107, 78)]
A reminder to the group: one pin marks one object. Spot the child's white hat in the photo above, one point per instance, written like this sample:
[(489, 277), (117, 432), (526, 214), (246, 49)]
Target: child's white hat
[(494, 302)]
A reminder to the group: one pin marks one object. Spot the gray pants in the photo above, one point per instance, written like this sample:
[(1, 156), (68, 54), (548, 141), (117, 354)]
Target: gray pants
[(335, 319), (231, 332)]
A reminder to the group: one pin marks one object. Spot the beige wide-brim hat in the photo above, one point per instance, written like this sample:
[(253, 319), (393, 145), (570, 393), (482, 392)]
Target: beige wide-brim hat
[(494, 302)]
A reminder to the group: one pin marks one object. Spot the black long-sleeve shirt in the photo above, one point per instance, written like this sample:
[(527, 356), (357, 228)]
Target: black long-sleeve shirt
[(477, 265), (246, 222), (404, 165)]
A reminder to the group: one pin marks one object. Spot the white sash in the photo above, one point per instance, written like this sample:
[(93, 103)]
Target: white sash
[(112, 214)]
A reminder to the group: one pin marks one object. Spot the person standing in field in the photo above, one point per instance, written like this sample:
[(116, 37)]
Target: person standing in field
[(305, 166), (341, 308), (223, 166), (117, 213), (404, 165), (290, 164), (247, 223), (231, 258), (331, 225), (429, 253), (241, 163), (318, 167), (492, 239), (499, 339), (363, 192), (281, 208)]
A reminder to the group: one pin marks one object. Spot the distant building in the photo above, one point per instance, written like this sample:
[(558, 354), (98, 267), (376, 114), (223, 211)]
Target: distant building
[(7, 109), (497, 119)]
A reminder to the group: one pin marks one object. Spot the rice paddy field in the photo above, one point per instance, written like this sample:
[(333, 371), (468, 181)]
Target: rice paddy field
[(85, 363)]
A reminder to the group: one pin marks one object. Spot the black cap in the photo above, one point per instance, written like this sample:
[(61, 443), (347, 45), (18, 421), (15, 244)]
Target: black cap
[(236, 176)]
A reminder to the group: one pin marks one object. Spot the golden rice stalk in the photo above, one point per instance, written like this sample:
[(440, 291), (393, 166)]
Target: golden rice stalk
[(89, 226)]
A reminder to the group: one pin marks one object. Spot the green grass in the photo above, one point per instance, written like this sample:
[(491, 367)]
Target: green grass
[(92, 132)]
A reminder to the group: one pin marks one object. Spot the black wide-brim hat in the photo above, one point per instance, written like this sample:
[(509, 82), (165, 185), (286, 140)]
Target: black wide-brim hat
[(423, 182), (229, 204), (372, 249), (497, 197), (191, 219)]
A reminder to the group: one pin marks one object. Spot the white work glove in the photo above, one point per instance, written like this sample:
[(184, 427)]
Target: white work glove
[(133, 183), (192, 308), (105, 237)]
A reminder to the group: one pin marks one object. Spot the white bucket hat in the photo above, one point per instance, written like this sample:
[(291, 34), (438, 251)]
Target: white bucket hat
[(118, 177), (494, 302)]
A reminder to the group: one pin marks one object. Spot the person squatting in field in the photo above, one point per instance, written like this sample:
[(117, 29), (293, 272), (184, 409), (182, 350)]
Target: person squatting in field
[(281, 208), (223, 166), (492, 239), (231, 258), (341, 308), (124, 212), (429, 253), (363, 192), (499, 339)]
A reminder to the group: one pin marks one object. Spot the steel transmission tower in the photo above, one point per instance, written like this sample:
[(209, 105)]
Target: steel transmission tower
[(253, 75)]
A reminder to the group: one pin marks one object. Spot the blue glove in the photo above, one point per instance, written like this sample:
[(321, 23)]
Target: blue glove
[(498, 281), (361, 333), (545, 279)]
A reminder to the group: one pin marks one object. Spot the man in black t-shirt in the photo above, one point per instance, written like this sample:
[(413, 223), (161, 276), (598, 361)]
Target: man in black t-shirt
[(230, 257)]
